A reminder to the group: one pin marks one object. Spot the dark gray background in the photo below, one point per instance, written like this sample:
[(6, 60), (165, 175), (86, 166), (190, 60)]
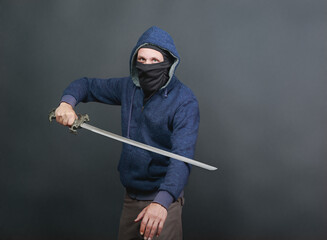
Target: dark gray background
[(258, 69)]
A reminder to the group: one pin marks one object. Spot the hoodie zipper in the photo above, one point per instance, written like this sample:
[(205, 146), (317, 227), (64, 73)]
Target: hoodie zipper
[(130, 113)]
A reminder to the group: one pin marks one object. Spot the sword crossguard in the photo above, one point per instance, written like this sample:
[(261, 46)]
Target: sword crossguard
[(77, 123), (82, 118)]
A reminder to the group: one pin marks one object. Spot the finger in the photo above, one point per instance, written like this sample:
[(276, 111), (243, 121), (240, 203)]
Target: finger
[(59, 119), (143, 225), (56, 112), (65, 121), (148, 228), (71, 120), (140, 216), (153, 229), (160, 227)]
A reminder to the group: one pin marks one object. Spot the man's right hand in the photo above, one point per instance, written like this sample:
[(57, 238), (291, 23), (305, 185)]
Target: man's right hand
[(65, 114)]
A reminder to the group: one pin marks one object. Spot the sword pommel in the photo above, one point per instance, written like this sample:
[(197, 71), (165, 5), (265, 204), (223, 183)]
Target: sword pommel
[(52, 115)]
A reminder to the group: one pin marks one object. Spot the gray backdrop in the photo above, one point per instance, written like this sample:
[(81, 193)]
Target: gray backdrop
[(258, 69)]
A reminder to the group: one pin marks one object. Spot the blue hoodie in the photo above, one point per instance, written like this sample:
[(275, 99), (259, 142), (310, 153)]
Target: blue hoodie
[(169, 120)]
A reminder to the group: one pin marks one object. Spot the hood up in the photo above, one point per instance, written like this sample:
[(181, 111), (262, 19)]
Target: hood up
[(160, 38)]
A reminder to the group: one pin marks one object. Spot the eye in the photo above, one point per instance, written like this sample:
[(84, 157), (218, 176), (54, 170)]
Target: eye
[(140, 59), (155, 60)]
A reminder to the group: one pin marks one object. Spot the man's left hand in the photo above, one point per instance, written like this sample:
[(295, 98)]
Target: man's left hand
[(153, 218)]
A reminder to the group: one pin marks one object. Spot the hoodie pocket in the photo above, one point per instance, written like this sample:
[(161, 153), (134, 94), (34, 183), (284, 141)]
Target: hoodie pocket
[(157, 168)]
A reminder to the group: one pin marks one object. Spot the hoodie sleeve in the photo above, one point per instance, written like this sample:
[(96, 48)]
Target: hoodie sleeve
[(93, 90), (185, 132)]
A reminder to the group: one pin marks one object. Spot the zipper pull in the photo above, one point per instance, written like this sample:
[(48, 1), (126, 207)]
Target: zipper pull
[(166, 93), (142, 108)]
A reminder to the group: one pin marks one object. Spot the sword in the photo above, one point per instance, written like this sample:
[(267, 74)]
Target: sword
[(80, 123)]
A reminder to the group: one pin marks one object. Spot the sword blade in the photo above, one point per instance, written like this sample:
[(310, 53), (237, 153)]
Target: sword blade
[(146, 147)]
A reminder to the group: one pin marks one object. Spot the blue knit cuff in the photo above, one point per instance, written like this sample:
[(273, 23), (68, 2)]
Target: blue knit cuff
[(69, 99), (164, 198)]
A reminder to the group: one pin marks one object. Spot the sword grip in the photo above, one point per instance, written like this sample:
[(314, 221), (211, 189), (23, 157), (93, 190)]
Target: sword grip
[(82, 118)]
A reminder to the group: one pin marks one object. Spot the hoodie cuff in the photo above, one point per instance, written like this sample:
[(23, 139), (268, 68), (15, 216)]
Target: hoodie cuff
[(69, 99), (164, 199)]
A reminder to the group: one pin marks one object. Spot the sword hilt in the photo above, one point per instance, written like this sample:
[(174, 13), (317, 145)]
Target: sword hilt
[(82, 118)]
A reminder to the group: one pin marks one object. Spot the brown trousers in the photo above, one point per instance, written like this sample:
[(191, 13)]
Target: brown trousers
[(129, 230)]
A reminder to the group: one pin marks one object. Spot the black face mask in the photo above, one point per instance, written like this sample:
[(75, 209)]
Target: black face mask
[(152, 77)]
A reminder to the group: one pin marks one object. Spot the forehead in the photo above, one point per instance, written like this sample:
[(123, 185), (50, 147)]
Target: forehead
[(148, 52)]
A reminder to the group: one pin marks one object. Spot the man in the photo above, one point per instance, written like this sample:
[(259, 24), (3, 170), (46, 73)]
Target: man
[(158, 110)]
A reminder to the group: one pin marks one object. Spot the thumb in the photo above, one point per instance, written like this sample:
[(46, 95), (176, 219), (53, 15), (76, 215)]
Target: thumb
[(140, 216)]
